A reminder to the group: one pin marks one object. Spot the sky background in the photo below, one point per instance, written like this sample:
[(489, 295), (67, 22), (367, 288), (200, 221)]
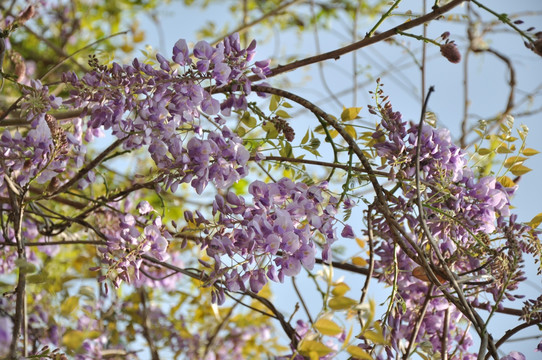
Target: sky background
[(488, 79)]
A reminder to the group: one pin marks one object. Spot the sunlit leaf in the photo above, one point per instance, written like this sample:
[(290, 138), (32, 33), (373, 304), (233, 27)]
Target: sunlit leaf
[(530, 152), (519, 170), (305, 138), (503, 149), (340, 289), (359, 261), (342, 303), (506, 181), (358, 353), (375, 336), (73, 339), (274, 104), (514, 160), (484, 151), (535, 222), (69, 305), (307, 346), (283, 114), (349, 114), (327, 327), (350, 130)]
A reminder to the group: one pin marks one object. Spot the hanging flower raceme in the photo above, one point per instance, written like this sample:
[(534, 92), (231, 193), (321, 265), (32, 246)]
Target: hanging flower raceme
[(461, 212)]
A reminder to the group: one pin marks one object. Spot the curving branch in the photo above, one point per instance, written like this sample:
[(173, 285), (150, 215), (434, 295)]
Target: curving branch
[(368, 40)]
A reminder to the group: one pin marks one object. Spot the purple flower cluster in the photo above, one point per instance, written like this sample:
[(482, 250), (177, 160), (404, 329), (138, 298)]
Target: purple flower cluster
[(132, 238), (461, 212), (271, 238), (167, 103), (38, 155), (458, 206)]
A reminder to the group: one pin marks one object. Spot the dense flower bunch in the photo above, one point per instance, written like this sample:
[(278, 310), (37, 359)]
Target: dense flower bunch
[(166, 104), (461, 213), (126, 243), (271, 238)]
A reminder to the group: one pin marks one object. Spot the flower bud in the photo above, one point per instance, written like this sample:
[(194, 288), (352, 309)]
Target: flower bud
[(451, 52)]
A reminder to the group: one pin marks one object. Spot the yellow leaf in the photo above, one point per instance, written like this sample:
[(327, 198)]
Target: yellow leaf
[(73, 339), (514, 160), (340, 289), (342, 303), (348, 336), (360, 242), (127, 48), (503, 149), (350, 113), (506, 181), (333, 133), (359, 261), (328, 327), (484, 151), (375, 336), (351, 131), (139, 36), (518, 170), (530, 152), (69, 305), (358, 352), (314, 355), (535, 221), (275, 99), (305, 347)]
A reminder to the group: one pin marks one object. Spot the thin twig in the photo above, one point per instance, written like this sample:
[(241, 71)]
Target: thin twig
[(419, 321), (146, 325), (336, 54)]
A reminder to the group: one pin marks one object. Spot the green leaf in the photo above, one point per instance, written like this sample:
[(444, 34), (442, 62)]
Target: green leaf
[(305, 138), (69, 305), (248, 120), (270, 129), (342, 303), (283, 114), (25, 266), (37, 278), (350, 114), (328, 327), (358, 352), (275, 99), (241, 131), (286, 151)]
